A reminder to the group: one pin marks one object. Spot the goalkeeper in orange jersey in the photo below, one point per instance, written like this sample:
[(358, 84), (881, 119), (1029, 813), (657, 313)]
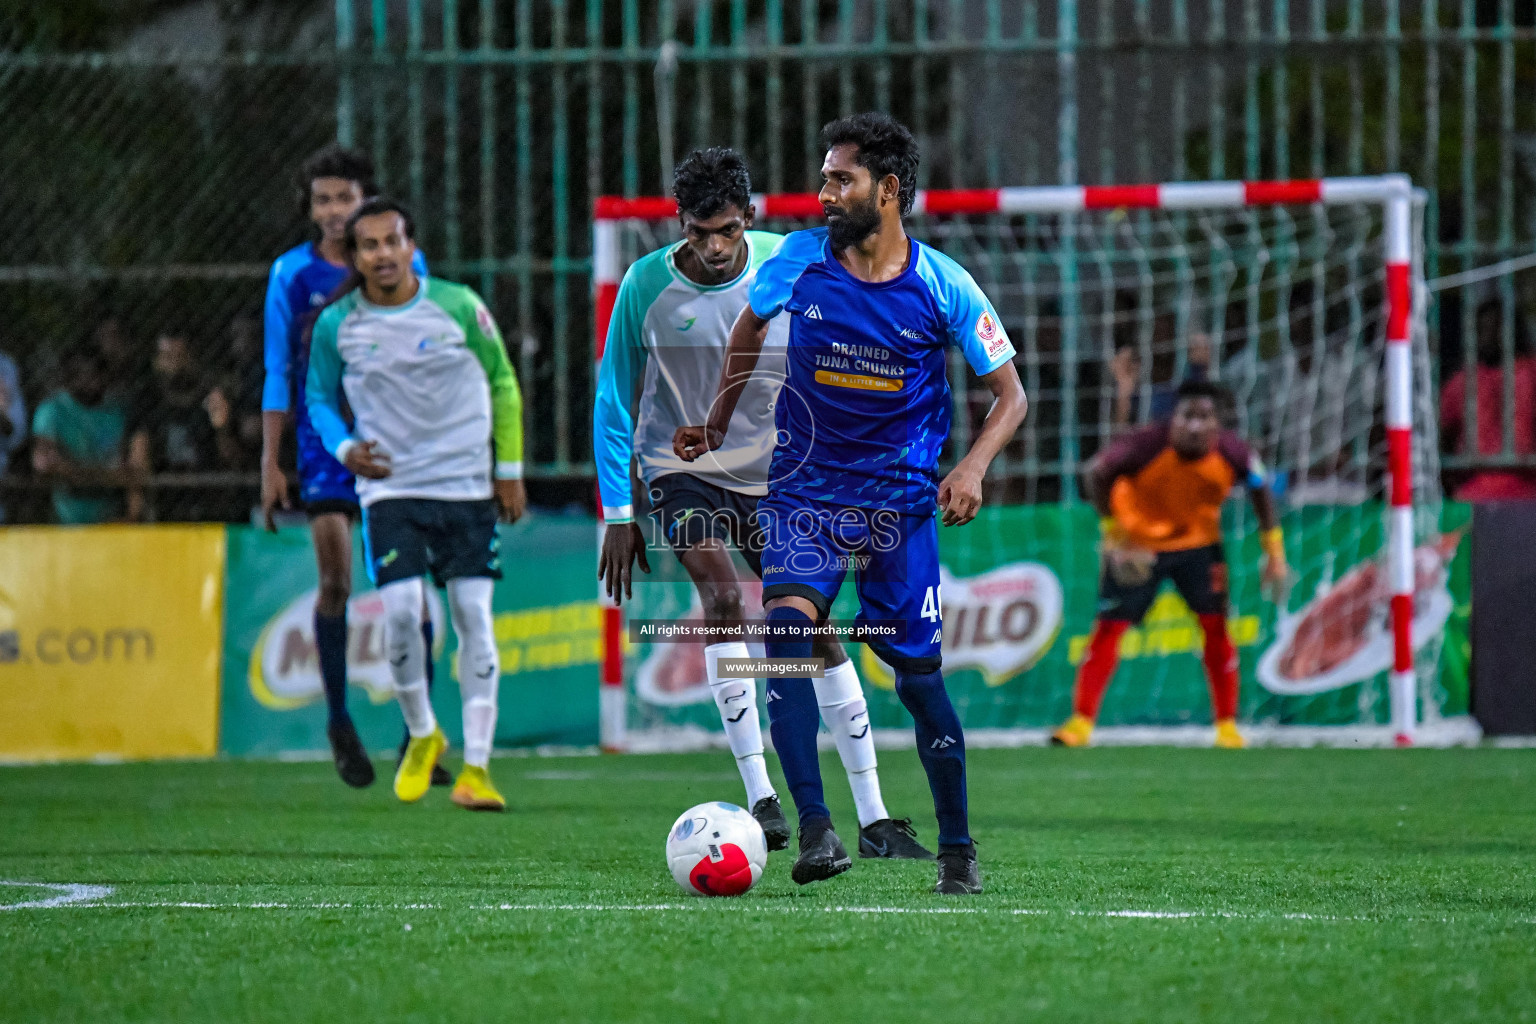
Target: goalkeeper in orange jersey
[(1159, 492)]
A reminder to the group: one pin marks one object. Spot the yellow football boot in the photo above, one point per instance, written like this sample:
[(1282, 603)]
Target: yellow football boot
[(1227, 736), (474, 791), (1075, 732), (414, 776)]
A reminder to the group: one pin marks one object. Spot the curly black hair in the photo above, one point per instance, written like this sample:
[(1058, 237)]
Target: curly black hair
[(885, 146), (335, 161), (709, 180)]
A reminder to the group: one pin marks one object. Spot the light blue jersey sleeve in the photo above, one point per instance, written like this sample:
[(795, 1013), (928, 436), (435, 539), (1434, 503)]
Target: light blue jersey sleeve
[(322, 390), (776, 277), (613, 421), (972, 323), (277, 322)]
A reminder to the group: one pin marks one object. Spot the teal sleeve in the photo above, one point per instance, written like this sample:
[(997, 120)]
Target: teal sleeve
[(613, 422), (322, 389)]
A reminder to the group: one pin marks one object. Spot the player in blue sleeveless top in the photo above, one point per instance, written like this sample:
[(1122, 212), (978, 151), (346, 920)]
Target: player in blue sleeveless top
[(333, 183), (862, 416)]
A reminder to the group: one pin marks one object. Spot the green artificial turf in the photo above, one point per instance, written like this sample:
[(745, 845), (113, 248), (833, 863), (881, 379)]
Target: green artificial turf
[(1324, 885)]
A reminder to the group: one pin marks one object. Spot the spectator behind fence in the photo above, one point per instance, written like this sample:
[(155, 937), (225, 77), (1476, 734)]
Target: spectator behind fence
[(13, 415), (77, 442), (1125, 367), (1493, 483), (181, 424)]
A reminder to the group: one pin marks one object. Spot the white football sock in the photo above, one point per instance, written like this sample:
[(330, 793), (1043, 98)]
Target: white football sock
[(737, 701), (847, 718), (407, 653), (469, 603)]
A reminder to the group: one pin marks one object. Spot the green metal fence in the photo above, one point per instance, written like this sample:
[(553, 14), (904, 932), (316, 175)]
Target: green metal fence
[(153, 186)]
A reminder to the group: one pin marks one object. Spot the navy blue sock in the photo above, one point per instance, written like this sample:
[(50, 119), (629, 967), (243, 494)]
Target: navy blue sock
[(331, 643), (941, 748), (426, 635), (793, 719)]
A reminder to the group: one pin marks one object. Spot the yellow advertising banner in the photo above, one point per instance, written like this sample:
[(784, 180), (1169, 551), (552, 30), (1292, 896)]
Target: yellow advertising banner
[(109, 641)]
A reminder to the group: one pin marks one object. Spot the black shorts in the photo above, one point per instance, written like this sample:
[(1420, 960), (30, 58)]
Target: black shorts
[(408, 537), (332, 506), (1199, 575), (690, 510)]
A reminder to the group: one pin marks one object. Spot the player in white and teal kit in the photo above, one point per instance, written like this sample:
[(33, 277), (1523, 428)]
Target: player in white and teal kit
[(665, 346), (436, 443)]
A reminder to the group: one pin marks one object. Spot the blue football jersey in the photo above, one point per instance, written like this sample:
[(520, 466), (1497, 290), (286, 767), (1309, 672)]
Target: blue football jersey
[(299, 283), (865, 406)]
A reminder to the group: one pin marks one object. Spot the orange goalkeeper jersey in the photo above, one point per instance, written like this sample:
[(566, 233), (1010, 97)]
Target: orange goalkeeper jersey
[(1167, 503)]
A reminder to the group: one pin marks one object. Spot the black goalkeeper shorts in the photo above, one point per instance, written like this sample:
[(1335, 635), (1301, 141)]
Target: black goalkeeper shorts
[(690, 510), (1199, 575), (408, 537)]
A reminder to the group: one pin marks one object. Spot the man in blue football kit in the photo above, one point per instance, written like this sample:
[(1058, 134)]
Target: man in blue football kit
[(862, 416), (332, 185)]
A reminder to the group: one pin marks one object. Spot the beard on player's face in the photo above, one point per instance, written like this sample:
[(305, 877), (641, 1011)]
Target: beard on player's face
[(851, 224)]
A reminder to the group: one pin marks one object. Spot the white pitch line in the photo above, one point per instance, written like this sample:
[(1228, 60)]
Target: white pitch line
[(69, 894), (80, 897)]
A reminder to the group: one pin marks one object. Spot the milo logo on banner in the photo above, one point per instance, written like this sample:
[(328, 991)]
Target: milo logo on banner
[(999, 623), (285, 667)]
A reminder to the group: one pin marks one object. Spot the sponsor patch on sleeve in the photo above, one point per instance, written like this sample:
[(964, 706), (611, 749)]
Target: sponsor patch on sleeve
[(993, 340), (483, 318)]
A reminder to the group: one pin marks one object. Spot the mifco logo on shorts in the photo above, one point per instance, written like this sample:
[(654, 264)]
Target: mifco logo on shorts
[(77, 646)]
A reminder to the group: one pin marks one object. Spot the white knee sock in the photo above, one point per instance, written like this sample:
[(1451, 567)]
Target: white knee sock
[(407, 653), (847, 718), (737, 701), (469, 602)]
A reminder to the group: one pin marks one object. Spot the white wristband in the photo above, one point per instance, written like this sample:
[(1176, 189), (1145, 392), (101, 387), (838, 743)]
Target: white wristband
[(615, 515), (343, 448), (509, 471)]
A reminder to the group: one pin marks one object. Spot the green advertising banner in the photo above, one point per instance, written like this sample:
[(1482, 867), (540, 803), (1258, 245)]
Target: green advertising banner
[(1020, 593), (547, 626)]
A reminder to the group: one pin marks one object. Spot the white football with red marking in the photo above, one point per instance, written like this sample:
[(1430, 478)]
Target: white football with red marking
[(716, 849)]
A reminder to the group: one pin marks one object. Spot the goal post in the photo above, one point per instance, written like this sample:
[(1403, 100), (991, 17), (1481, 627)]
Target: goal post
[(1144, 267)]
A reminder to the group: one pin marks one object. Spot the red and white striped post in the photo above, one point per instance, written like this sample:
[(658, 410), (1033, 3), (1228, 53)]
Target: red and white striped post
[(1393, 192), (611, 706), (1400, 538)]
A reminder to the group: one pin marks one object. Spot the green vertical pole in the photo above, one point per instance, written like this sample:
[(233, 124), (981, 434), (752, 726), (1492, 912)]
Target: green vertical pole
[(346, 39), (957, 96), (562, 341), (522, 188), (1108, 100), (1282, 98), (1469, 228), (1506, 213), (666, 94), (595, 149), (739, 100), (488, 190), (1355, 161), (775, 97), (882, 42), (1216, 34), (378, 112), (1392, 101), (1180, 113), (631, 99), (703, 32), (989, 62), (919, 71), (453, 240), (1429, 175), (1066, 170), (845, 96), (1143, 22), (1252, 127), (810, 93), (415, 117)]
